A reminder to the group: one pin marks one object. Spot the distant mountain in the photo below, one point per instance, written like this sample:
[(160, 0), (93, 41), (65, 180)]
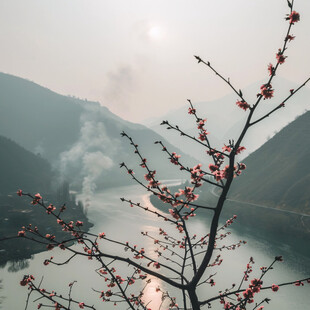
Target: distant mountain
[(37, 118), (225, 119), (80, 138), (21, 169), (278, 173)]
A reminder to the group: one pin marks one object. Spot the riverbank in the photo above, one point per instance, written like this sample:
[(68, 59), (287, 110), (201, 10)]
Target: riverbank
[(124, 223), (275, 225), (17, 212)]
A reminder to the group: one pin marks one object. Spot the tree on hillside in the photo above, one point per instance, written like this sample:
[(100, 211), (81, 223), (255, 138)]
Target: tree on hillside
[(183, 260)]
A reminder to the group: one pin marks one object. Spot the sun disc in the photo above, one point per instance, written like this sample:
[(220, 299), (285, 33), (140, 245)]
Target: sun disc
[(155, 32)]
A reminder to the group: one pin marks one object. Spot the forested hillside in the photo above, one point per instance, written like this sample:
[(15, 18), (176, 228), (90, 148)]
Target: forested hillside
[(20, 168), (278, 173), (81, 139)]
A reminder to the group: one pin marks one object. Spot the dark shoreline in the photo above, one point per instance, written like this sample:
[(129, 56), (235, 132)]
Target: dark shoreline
[(17, 212), (278, 228)]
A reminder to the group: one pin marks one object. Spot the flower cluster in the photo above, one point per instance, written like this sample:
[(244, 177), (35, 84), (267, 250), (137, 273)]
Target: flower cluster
[(175, 158), (242, 104), (36, 199), (224, 173), (226, 148), (201, 123), (21, 233), (280, 58), (50, 209), (267, 91), (150, 177), (230, 221), (191, 111), (26, 280), (294, 17), (174, 213), (79, 223), (254, 287), (240, 149), (289, 37), (271, 69), (188, 192), (274, 287), (196, 175), (203, 133)]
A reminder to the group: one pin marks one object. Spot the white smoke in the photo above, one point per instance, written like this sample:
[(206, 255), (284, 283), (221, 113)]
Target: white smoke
[(93, 165), (119, 86), (86, 161)]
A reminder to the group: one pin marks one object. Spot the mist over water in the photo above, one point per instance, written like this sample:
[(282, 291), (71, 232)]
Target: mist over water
[(121, 222)]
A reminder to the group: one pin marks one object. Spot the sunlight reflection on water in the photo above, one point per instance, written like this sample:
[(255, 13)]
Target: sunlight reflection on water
[(120, 221)]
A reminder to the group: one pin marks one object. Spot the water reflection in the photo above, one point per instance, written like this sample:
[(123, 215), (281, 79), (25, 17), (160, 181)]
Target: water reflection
[(124, 223), (151, 293)]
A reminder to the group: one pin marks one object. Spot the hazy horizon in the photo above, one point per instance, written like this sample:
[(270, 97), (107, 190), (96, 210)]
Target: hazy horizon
[(136, 58)]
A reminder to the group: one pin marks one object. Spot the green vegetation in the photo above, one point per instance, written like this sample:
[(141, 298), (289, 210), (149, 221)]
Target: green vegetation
[(37, 118), (17, 212), (20, 169), (65, 130), (265, 223), (278, 174), (278, 177)]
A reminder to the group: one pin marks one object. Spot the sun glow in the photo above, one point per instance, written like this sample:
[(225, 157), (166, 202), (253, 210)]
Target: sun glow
[(155, 32)]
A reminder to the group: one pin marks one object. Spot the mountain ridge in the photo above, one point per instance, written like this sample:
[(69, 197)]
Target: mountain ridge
[(284, 157), (81, 139), (225, 120)]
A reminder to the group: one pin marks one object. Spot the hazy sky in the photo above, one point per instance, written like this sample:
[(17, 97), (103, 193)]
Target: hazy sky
[(136, 56)]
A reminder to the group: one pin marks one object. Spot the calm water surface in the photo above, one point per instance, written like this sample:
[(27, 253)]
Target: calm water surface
[(121, 222)]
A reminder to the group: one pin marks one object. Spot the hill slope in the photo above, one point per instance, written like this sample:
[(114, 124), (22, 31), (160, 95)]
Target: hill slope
[(80, 138), (278, 173), (37, 118), (20, 168), (225, 120)]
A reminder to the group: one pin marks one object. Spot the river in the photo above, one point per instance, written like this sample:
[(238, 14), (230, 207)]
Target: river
[(122, 222)]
